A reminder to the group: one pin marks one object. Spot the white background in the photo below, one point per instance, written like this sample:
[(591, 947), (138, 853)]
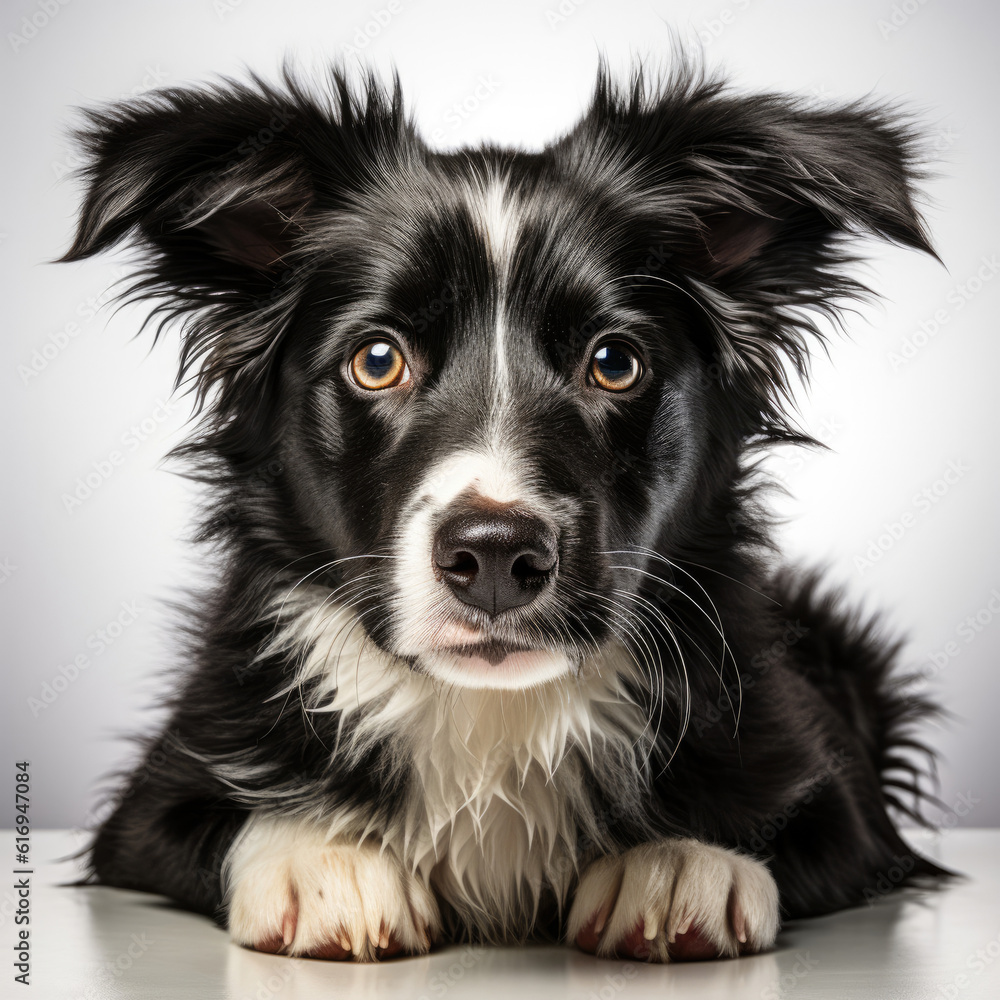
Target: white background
[(894, 429)]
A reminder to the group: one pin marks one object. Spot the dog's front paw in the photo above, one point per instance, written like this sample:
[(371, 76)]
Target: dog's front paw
[(292, 891), (674, 899)]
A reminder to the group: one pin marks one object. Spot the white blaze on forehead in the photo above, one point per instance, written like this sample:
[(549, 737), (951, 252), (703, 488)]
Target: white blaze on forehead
[(497, 213)]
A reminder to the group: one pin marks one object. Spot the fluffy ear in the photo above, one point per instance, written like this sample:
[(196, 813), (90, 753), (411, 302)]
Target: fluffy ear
[(757, 198), (218, 188)]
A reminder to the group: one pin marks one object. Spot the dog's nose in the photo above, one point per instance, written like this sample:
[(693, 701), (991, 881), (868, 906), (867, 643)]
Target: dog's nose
[(495, 558)]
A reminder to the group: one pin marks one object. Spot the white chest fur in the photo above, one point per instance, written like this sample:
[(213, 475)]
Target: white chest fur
[(496, 800)]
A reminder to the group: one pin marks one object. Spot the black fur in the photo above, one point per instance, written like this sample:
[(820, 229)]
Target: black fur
[(705, 226)]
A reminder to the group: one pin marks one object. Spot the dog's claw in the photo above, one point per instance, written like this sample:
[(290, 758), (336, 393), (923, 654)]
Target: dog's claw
[(288, 927), (674, 900)]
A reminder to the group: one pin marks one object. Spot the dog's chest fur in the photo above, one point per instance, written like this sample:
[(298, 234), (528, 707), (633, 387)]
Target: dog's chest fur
[(497, 803)]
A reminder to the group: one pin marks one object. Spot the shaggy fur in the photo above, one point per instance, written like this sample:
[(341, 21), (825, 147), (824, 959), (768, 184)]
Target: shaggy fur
[(358, 761)]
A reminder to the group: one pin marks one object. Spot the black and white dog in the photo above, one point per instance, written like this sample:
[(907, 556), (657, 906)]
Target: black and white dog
[(499, 648)]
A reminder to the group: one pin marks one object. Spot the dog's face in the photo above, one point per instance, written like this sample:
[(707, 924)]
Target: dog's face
[(482, 411), (494, 380)]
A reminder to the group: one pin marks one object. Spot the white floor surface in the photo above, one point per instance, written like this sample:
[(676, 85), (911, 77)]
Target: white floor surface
[(92, 943)]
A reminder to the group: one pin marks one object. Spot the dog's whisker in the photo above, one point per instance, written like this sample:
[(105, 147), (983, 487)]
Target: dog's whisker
[(633, 624), (679, 663), (717, 623), (290, 593), (742, 583)]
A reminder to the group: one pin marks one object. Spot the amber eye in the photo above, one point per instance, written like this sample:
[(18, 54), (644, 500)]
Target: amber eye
[(379, 365), (615, 367)]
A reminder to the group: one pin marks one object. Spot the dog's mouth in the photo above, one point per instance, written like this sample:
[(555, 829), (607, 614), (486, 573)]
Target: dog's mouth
[(495, 664), (492, 651)]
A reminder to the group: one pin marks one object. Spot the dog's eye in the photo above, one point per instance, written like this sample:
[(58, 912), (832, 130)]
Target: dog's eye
[(615, 367), (379, 365)]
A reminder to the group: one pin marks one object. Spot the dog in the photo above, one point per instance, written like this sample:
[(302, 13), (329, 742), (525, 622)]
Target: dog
[(500, 647)]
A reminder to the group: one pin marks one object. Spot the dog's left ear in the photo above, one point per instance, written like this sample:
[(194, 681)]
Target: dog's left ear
[(785, 186), (755, 199)]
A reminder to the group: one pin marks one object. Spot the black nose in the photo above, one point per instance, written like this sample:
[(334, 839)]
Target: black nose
[(496, 557)]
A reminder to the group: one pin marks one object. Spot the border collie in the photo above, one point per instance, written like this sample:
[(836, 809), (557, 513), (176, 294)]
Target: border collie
[(500, 648)]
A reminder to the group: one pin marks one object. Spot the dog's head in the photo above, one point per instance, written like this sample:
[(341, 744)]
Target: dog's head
[(493, 380)]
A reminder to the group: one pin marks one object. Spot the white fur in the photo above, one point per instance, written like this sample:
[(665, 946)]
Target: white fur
[(495, 798), (288, 882), (500, 216), (424, 609), (671, 886), (497, 213)]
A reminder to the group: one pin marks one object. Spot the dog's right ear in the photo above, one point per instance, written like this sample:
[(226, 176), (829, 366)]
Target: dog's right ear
[(218, 188), (195, 182)]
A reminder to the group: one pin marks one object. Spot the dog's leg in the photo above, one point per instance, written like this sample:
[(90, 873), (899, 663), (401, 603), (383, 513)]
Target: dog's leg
[(674, 899), (292, 890)]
